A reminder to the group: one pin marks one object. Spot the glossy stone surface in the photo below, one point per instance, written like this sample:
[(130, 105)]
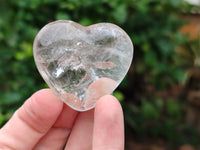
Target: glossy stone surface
[(81, 64)]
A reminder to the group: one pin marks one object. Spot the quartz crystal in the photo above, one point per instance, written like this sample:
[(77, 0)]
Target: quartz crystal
[(81, 64)]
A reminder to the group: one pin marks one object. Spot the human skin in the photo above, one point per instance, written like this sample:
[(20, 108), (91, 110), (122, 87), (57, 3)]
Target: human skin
[(44, 122)]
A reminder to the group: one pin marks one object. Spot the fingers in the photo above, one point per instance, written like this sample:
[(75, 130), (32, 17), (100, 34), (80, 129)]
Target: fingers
[(56, 137), (108, 130), (45, 122), (31, 121), (101, 130), (81, 135)]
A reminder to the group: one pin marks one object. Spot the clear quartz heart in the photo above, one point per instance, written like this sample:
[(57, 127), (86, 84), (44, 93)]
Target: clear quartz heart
[(81, 64)]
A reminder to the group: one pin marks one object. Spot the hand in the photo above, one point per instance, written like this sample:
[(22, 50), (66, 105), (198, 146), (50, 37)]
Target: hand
[(43, 122)]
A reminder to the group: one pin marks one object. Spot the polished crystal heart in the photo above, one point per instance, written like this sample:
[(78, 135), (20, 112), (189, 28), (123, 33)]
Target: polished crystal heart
[(81, 64)]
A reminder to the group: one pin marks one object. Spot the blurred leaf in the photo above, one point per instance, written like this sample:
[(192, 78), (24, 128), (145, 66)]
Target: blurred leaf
[(85, 21), (119, 95), (150, 58), (62, 16), (26, 51), (12, 97), (173, 108), (120, 13), (159, 104), (149, 111)]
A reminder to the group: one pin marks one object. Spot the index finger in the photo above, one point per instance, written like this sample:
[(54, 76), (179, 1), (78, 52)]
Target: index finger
[(31, 121)]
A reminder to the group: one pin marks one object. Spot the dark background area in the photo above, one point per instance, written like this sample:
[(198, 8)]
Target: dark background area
[(160, 94)]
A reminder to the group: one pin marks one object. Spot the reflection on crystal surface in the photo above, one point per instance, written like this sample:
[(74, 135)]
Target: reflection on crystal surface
[(58, 72), (81, 64)]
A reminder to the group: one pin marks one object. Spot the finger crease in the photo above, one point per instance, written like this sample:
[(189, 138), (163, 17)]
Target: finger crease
[(6, 147), (29, 125)]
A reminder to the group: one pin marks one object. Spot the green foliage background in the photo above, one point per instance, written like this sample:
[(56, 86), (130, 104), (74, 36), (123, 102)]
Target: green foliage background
[(153, 27)]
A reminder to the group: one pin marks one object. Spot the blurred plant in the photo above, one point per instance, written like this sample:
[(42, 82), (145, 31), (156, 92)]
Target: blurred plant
[(155, 25), (189, 58), (160, 119)]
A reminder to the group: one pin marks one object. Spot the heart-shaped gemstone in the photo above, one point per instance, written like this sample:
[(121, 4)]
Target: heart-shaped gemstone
[(81, 64)]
